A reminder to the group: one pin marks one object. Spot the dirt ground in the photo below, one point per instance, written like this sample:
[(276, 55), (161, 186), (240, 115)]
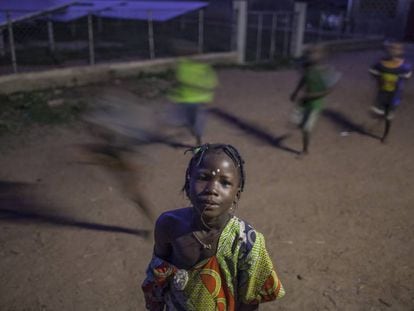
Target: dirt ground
[(338, 223)]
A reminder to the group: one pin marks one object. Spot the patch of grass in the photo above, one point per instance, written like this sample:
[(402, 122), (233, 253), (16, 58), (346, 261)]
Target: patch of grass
[(153, 84), (21, 110), (167, 75)]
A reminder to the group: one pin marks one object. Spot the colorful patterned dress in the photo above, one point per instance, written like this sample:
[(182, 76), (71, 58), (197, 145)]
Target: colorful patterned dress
[(241, 271)]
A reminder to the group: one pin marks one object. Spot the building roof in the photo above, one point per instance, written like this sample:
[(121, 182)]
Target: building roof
[(66, 10)]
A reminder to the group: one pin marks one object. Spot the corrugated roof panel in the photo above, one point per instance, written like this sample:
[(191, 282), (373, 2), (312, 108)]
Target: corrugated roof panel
[(160, 10), (30, 5), (25, 9), (82, 9), (143, 15)]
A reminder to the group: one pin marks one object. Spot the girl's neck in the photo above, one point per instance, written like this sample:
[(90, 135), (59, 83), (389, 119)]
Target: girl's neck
[(208, 224)]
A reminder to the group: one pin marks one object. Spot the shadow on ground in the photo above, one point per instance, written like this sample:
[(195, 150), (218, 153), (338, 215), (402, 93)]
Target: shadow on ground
[(344, 123), (253, 130), (16, 206)]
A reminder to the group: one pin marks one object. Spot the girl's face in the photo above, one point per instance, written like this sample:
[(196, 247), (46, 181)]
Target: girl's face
[(214, 185)]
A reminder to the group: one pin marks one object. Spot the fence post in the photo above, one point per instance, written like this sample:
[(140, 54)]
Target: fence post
[(340, 26), (233, 32), (2, 45), (151, 36), (200, 31), (288, 22), (349, 15), (51, 35), (296, 44), (259, 36), (241, 7), (403, 11), (73, 29), (273, 37), (11, 42), (319, 34), (91, 43), (100, 24)]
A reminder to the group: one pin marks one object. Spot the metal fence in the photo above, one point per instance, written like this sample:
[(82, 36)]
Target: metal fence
[(269, 35), (363, 18), (40, 43), (327, 27)]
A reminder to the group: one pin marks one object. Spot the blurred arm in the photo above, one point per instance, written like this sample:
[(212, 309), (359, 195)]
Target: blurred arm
[(406, 75), (375, 69), (299, 86)]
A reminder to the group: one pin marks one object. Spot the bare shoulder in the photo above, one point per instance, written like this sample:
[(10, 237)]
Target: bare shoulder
[(174, 216), (170, 223)]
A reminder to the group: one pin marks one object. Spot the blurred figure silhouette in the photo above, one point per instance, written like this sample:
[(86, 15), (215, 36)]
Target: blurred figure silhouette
[(390, 71), (123, 127), (121, 162), (195, 84), (317, 81)]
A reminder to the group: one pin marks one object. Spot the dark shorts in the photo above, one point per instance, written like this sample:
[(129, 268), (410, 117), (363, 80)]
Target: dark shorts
[(386, 105)]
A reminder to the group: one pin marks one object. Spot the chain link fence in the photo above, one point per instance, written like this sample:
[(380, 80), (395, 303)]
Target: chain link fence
[(363, 18), (269, 35), (41, 43)]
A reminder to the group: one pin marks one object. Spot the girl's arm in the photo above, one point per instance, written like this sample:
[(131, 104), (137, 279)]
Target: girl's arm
[(159, 269), (162, 247), (257, 278)]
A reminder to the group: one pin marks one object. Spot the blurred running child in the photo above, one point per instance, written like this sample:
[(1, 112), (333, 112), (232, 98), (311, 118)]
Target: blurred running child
[(122, 128), (317, 81), (196, 82), (205, 258), (390, 72)]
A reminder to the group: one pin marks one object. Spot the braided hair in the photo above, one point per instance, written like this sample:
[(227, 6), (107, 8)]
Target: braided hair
[(198, 156)]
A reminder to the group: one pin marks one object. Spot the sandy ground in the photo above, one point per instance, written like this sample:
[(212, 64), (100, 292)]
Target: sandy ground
[(338, 224)]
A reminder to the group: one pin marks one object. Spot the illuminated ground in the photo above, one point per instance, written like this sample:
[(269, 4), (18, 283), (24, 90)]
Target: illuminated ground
[(338, 224)]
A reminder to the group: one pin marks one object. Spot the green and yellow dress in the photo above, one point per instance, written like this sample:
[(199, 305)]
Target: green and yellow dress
[(240, 272)]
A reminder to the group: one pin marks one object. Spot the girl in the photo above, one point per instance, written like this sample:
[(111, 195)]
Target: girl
[(205, 258)]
